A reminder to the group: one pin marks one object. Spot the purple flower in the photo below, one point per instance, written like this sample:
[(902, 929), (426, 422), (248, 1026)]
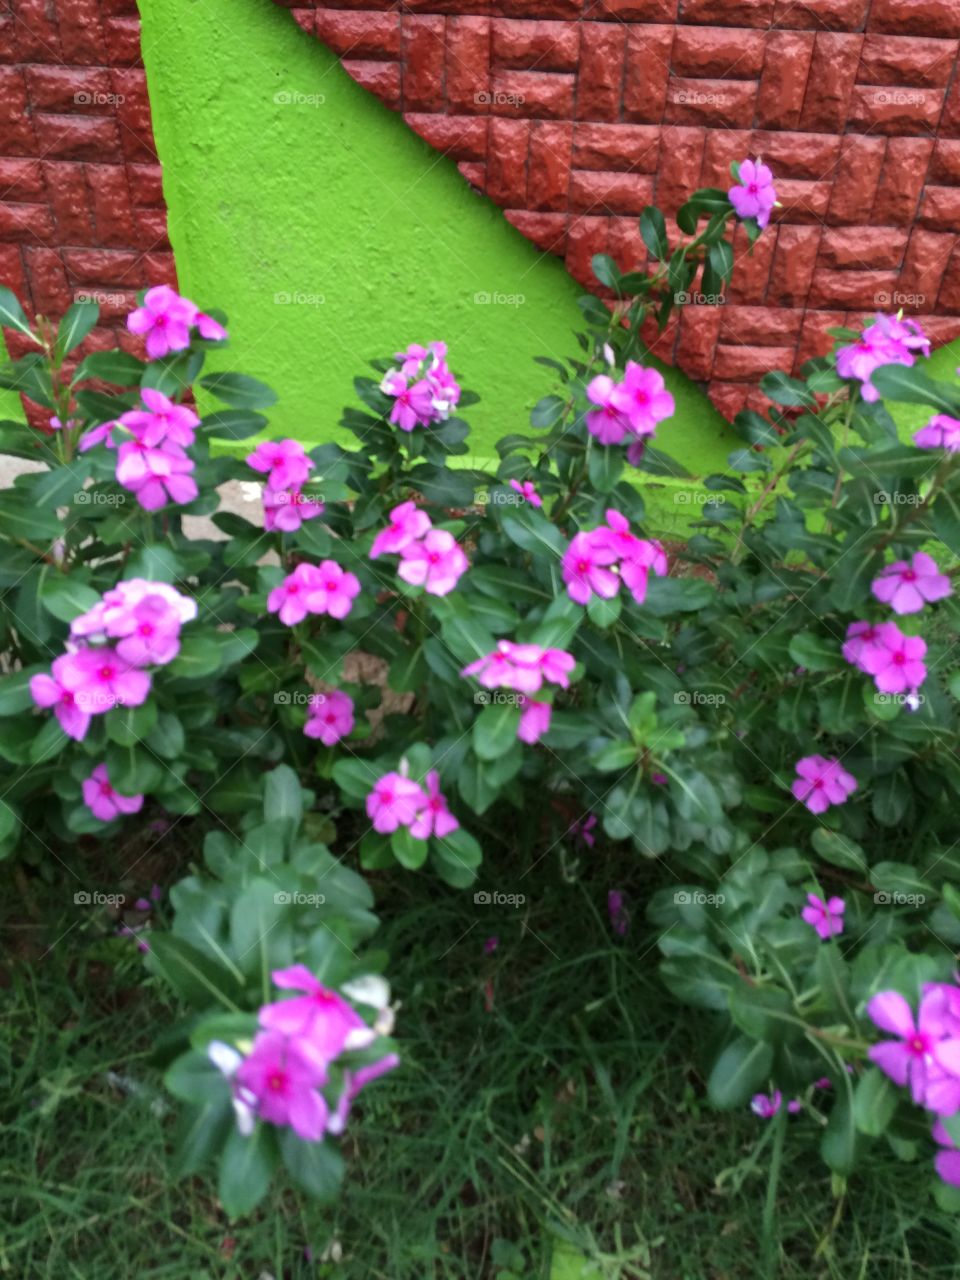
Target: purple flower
[(320, 1019), (618, 913), (946, 1162), (894, 660), (164, 320), (755, 195), (534, 720), (161, 422), (407, 525), (330, 717), (156, 476), (886, 341), (824, 916), (586, 569), (436, 563), (490, 945), (105, 803), (395, 801), (821, 783), (433, 818), (285, 510), (280, 1082), (643, 399), (582, 830), (606, 422), (907, 585), (353, 1082), (322, 588), (284, 462), (925, 1053), (527, 491), (941, 432)]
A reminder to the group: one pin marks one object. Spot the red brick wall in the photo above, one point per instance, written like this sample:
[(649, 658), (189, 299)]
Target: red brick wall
[(81, 206), (574, 114)]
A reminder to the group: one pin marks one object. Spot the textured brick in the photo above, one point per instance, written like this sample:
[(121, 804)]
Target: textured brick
[(820, 15), (548, 231), (895, 111), (422, 52), (881, 248), (467, 65), (21, 180), (945, 163), (593, 192), (940, 209), (728, 103), (898, 60), (585, 237), (646, 73), (124, 268), (852, 288), (898, 195), (381, 78), (783, 83), (616, 146), (697, 340), (677, 180), (793, 266), (532, 95), (635, 10), (600, 73), (797, 155), (919, 17), (625, 244), (25, 222), (507, 162), (70, 202), (857, 180), (833, 71), (928, 254), (78, 137), (541, 46), (360, 35), (50, 292), (729, 13), (548, 169), (743, 363), (461, 137), (751, 273)]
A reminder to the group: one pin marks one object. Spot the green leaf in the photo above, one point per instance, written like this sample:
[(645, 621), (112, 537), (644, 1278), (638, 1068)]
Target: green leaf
[(606, 271), (316, 1167), (606, 468), (788, 391), (193, 1078), (876, 464), (912, 385), (246, 1167), (763, 1013), (65, 597), (739, 1072), (408, 850), (12, 314), (838, 1146), (282, 796), (815, 652), (15, 690), (129, 725), (547, 412), (356, 777), (233, 424), (194, 976), (118, 367), (200, 1134), (495, 729), (200, 656), (653, 229), (838, 849), (77, 322), (239, 391), (874, 1102), (257, 934)]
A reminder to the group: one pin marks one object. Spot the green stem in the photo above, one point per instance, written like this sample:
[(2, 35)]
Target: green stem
[(770, 1203)]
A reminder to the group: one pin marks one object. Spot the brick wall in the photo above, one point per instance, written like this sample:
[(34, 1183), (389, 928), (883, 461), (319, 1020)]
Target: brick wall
[(81, 205), (574, 114)]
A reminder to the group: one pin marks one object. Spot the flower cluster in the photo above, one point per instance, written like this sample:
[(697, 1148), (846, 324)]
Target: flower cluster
[(597, 561), (423, 389), (165, 320), (753, 195), (135, 625), (286, 466), (889, 340), (893, 659), (312, 588), (628, 410), (281, 1079), (399, 801), (523, 669), (821, 782), (153, 465), (330, 717), (429, 558), (103, 802), (925, 1055)]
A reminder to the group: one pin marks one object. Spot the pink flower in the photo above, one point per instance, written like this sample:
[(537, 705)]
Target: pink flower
[(754, 196), (924, 1054), (162, 422), (946, 1162), (863, 644), (155, 476), (353, 1082), (280, 1081), (333, 590), (102, 680), (617, 911), (321, 1020), (490, 945), (150, 634), (895, 661), (412, 405), (581, 831), (886, 341), (765, 1105), (209, 329), (534, 720), (284, 462), (907, 585), (522, 667), (822, 782), (395, 801), (606, 422), (436, 563), (105, 803), (284, 510), (407, 524), (59, 690), (290, 599), (527, 491), (97, 435), (637, 556), (114, 615), (941, 432), (824, 916), (164, 319), (330, 717), (434, 818), (585, 568), (643, 399)]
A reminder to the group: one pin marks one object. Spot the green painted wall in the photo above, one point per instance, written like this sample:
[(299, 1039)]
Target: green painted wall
[(331, 196)]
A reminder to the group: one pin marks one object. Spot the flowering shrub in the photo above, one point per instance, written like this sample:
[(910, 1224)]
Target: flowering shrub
[(751, 709)]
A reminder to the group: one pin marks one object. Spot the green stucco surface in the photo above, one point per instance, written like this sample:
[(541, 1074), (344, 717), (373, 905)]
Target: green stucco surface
[(285, 179)]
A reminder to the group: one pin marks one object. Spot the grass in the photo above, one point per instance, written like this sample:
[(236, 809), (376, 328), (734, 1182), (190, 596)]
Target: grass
[(550, 1106)]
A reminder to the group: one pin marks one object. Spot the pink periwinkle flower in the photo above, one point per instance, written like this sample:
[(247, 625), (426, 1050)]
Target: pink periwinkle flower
[(490, 945), (114, 615), (527, 491), (522, 667), (280, 1081), (754, 195), (156, 476), (59, 690), (586, 569), (412, 402), (330, 718), (581, 831), (321, 1020), (164, 319), (285, 510), (643, 399), (323, 588), (941, 432), (947, 1161), (105, 803), (353, 1082), (894, 660), (618, 913), (821, 783), (863, 644), (606, 422), (283, 462), (433, 818), (290, 599), (424, 389), (534, 720), (824, 915), (436, 563), (886, 341), (102, 434), (907, 585), (766, 1105), (395, 801), (926, 1051), (407, 525), (209, 329), (161, 422)]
